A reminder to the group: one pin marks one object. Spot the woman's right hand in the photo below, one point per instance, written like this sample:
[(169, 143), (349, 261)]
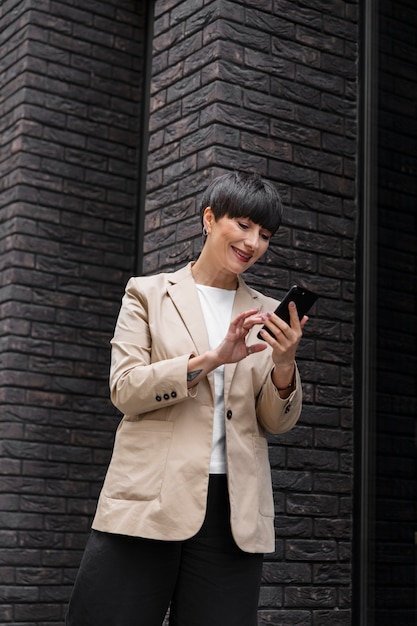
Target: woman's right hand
[(232, 349)]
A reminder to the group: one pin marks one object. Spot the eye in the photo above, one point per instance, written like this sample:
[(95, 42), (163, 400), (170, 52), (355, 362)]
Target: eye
[(266, 237), (243, 225)]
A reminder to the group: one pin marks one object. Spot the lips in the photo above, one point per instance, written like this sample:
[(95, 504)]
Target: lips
[(241, 255)]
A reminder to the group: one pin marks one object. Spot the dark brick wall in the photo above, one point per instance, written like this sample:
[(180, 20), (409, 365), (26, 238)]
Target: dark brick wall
[(396, 460), (265, 84), (272, 85), (71, 79)]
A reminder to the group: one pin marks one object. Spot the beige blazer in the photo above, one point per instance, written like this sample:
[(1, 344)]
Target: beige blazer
[(156, 484)]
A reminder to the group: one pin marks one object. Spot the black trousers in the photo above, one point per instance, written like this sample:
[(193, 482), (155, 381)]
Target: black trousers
[(206, 580)]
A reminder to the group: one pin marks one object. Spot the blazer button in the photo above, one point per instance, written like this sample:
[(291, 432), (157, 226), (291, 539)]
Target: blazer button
[(173, 394), (166, 396), (229, 414), (158, 398)]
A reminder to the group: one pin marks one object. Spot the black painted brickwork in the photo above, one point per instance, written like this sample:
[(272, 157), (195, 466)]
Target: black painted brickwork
[(71, 78), (272, 85)]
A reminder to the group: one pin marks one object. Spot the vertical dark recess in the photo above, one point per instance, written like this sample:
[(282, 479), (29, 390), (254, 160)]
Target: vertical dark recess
[(143, 136), (384, 582), (365, 344), (396, 404)]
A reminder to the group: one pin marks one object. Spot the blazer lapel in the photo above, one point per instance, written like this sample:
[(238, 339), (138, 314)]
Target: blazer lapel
[(184, 295), (245, 299)]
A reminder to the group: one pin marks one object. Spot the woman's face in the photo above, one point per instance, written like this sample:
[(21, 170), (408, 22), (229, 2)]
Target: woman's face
[(235, 243)]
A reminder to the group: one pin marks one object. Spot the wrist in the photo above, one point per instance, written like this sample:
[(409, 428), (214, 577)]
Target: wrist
[(283, 377), (214, 359)]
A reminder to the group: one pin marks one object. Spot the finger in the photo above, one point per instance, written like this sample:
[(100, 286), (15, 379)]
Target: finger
[(267, 337), (253, 321), (275, 324), (256, 347), (243, 315), (294, 319), (250, 312)]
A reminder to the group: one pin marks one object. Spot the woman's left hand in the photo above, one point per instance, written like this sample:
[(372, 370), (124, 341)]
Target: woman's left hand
[(286, 338), (284, 344)]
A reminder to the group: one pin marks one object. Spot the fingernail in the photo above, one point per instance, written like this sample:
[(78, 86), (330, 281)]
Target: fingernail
[(292, 304)]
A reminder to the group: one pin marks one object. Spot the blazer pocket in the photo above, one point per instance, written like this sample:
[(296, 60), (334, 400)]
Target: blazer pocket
[(139, 459), (263, 470)]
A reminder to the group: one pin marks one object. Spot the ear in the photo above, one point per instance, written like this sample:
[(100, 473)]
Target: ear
[(208, 218)]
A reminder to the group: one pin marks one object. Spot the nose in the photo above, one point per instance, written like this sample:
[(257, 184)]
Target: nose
[(252, 239)]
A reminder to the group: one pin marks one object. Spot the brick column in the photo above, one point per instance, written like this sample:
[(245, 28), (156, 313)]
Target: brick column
[(272, 86)]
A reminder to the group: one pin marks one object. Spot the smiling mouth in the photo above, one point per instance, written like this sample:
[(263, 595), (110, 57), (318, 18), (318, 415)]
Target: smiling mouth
[(241, 255)]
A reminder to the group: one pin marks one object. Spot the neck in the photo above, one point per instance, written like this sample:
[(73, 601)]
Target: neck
[(213, 278)]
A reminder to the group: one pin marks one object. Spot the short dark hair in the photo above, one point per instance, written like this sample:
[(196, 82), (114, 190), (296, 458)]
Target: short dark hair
[(242, 194)]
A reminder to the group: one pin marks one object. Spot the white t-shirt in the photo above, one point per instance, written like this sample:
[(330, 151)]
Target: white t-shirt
[(217, 305)]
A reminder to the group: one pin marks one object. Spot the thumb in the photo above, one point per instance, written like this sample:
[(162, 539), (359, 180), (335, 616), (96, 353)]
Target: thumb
[(256, 347)]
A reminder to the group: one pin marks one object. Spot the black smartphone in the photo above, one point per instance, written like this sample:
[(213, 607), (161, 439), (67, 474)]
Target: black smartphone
[(304, 300)]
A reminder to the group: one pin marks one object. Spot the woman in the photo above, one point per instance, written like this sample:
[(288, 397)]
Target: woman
[(186, 510)]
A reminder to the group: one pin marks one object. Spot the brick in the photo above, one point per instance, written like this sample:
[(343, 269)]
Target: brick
[(340, 27), (340, 528), (320, 372), (291, 92), (331, 617), (270, 596), (310, 504), (18, 521), (269, 21), (331, 574), (255, 143), (296, 481), (309, 596), (287, 573), (333, 439), (330, 245), (213, 92), (292, 526), (37, 611), (314, 459), (319, 40), (224, 156), (336, 184), (284, 618), (298, 436), (318, 159), (311, 550), (335, 396), (276, 456)]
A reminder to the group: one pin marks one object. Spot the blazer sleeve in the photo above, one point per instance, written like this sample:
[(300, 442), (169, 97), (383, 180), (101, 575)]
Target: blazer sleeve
[(138, 385), (275, 414)]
